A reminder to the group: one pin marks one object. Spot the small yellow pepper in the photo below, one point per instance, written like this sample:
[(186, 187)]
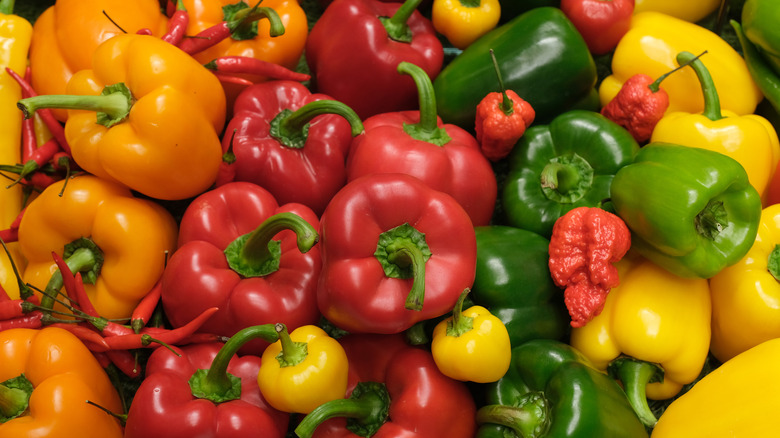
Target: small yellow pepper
[(303, 370), (472, 345), (692, 11), (463, 21)]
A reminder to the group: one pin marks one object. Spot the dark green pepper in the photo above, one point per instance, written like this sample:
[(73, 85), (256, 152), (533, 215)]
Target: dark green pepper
[(567, 164), (552, 390), (541, 57), (513, 281), (691, 211)]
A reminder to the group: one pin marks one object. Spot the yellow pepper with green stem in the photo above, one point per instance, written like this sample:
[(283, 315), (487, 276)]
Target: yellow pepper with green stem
[(463, 21)]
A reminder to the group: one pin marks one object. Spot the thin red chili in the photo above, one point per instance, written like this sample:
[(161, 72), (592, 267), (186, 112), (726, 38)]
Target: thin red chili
[(253, 66), (143, 311), (102, 359), (89, 337), (72, 288), (177, 24), (170, 337), (30, 320), (232, 79), (125, 361), (29, 142), (12, 309), (39, 180), (227, 168), (3, 294)]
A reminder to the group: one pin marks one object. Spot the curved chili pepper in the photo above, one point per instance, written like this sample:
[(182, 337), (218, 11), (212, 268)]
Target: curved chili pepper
[(30, 320), (133, 341), (143, 311), (177, 24), (254, 66)]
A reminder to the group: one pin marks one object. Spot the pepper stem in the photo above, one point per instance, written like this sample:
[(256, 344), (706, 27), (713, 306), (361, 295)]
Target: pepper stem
[(242, 20), (507, 106), (773, 263), (366, 411), (635, 375), (255, 254), (566, 178), (81, 255), (292, 353), (7, 7), (428, 128), (112, 105), (24, 290), (292, 128), (460, 323), (216, 384), (529, 419), (402, 252), (711, 220), (396, 26), (14, 397), (711, 99)]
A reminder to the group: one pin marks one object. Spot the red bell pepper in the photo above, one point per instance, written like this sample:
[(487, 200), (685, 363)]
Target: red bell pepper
[(226, 259), (395, 252), (355, 46), (291, 142), (205, 390), (445, 156), (602, 23), (395, 390)]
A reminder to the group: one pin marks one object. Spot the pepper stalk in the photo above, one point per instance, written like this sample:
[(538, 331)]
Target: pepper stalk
[(366, 410), (402, 252), (292, 128), (427, 129)]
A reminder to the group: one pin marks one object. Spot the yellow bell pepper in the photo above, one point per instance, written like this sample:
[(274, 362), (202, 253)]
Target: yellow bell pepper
[(651, 46), (463, 21), (749, 139), (746, 296), (739, 399), (132, 235), (472, 345), (692, 10), (64, 375), (655, 317), (303, 370)]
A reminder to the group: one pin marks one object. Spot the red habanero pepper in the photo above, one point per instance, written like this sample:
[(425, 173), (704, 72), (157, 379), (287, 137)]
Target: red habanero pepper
[(602, 23), (585, 242), (501, 119), (241, 251)]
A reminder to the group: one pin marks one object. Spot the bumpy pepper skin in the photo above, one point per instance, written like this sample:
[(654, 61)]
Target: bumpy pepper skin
[(498, 129), (64, 375), (637, 107), (463, 21), (134, 235)]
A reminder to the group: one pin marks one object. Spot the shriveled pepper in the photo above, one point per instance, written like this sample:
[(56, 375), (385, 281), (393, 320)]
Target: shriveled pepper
[(146, 115), (463, 21), (56, 374), (585, 244)]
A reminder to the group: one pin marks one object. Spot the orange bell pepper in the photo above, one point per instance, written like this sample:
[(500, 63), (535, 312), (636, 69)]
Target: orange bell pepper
[(63, 375)]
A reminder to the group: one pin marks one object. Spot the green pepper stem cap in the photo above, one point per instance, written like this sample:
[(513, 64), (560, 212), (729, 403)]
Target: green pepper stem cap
[(460, 324), (427, 129), (242, 20), (366, 410), (292, 353), (529, 419), (291, 128), (82, 255), (14, 397), (396, 26), (403, 252)]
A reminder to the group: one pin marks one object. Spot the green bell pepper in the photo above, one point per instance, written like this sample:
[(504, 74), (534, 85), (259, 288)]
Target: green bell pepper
[(759, 23), (691, 211), (513, 281), (552, 390), (567, 164), (541, 57)]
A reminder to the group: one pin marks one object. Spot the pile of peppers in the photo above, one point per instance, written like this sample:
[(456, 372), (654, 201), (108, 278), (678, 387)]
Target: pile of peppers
[(389, 218)]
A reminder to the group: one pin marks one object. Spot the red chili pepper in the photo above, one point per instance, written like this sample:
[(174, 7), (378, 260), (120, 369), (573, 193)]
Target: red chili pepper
[(39, 157), (102, 359), (29, 141), (585, 242), (177, 24), (602, 23), (92, 339), (40, 180), (4, 295), (12, 308), (143, 311), (30, 320), (227, 168), (11, 234), (232, 79), (254, 66), (170, 337), (126, 361)]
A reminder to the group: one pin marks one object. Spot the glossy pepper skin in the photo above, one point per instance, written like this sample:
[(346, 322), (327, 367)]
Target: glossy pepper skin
[(285, 293), (758, 26), (67, 33), (377, 229), (64, 374), (699, 215), (601, 22), (353, 57), (132, 233), (566, 164), (551, 84), (463, 21), (553, 390)]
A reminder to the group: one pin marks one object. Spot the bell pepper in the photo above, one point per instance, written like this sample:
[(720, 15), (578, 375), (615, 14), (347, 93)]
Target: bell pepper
[(355, 46), (281, 143), (749, 139), (638, 336), (566, 164), (418, 143), (760, 70), (68, 32), (205, 390), (744, 313), (650, 47), (303, 370), (601, 22), (49, 375), (394, 390), (758, 24), (394, 252), (552, 390), (118, 240), (688, 11), (242, 251), (132, 112), (462, 22), (699, 215), (516, 286), (551, 84)]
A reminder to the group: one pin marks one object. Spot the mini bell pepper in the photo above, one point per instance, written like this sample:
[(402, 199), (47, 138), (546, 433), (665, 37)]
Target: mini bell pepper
[(418, 143), (650, 47), (551, 84), (291, 142), (394, 252), (394, 390), (552, 390), (68, 32), (205, 390), (59, 375), (241, 251), (566, 164), (146, 115), (118, 240), (601, 22), (355, 46), (749, 139), (699, 214), (464, 21), (641, 329), (688, 11)]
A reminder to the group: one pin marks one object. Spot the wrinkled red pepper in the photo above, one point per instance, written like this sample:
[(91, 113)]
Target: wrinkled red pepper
[(585, 242), (257, 282)]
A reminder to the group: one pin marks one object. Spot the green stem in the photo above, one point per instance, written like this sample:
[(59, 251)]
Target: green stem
[(24, 290), (635, 375), (396, 26), (366, 410), (242, 21), (292, 353), (403, 252), (656, 85), (529, 419), (112, 105), (216, 384), (773, 262), (7, 7), (507, 106), (470, 3), (560, 177), (460, 324), (711, 99), (406, 253), (711, 220), (81, 255), (256, 254), (14, 397), (292, 128), (427, 129), (566, 178)]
